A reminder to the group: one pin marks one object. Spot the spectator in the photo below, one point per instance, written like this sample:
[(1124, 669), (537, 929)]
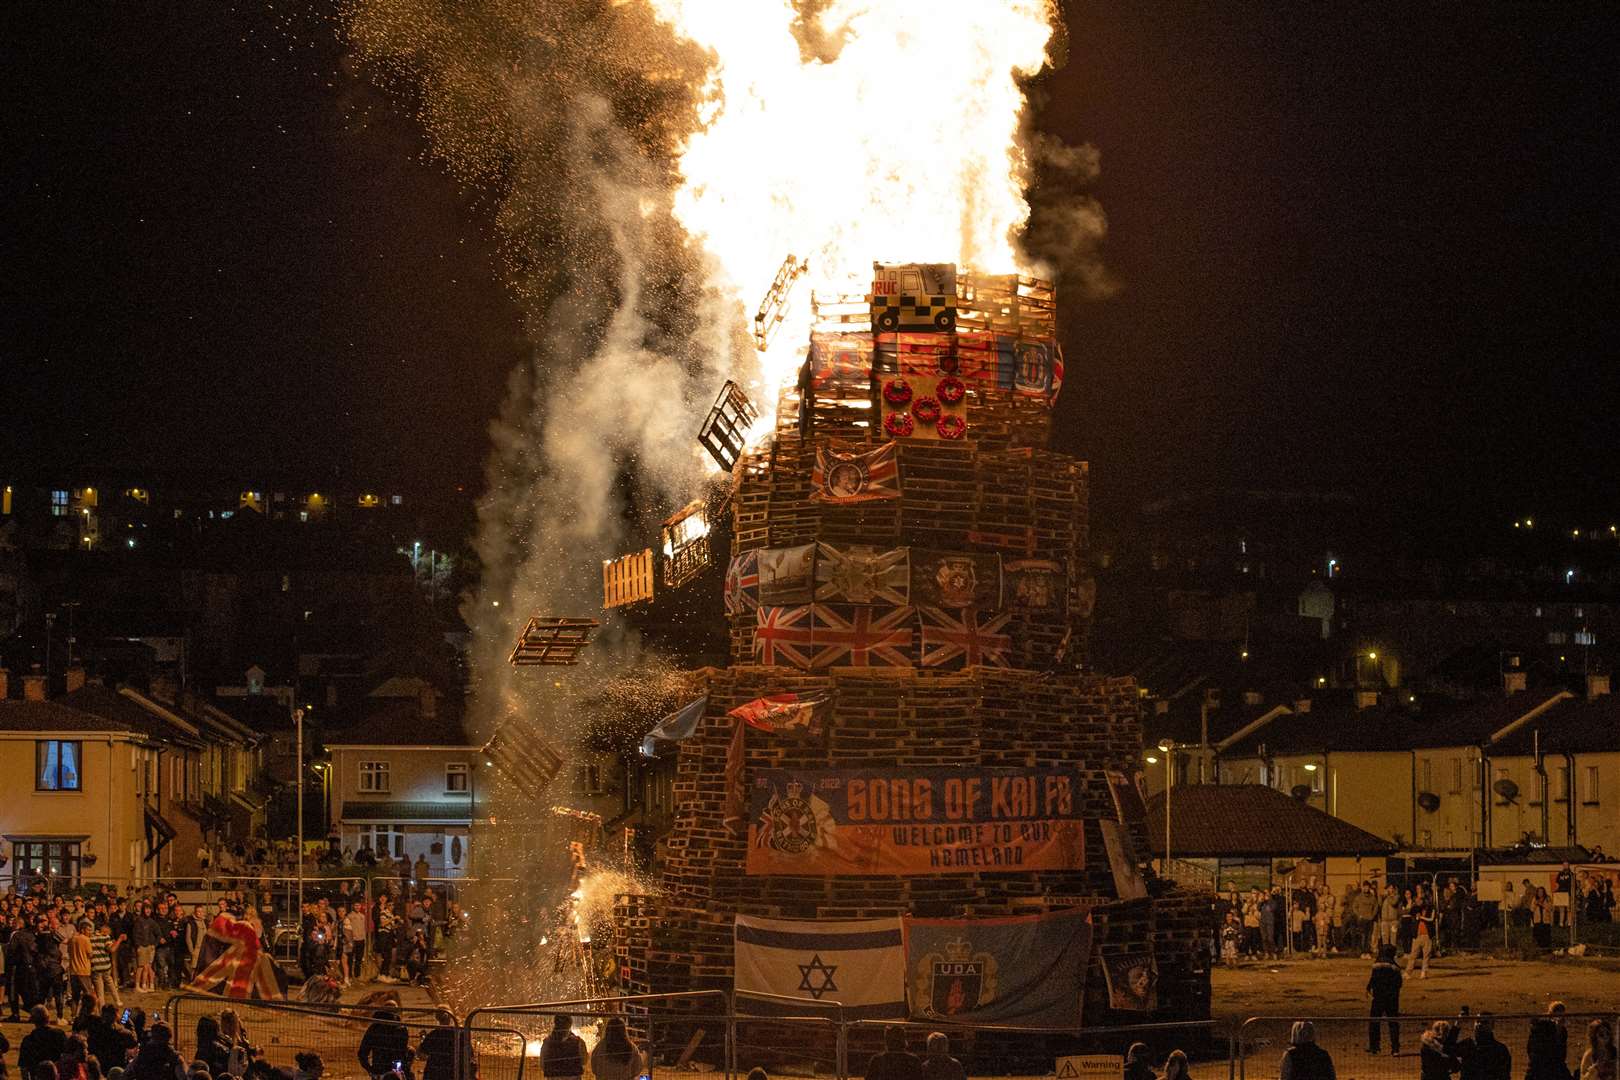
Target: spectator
[(615, 1057), (45, 1043), (895, 1062), (1304, 1060), (562, 1053), (1484, 1057), (1546, 1050), (308, 1066), (211, 1049), (144, 933), (1598, 1063), (1384, 988), (1437, 1060), (1423, 931), (1137, 1065), (386, 1046), (22, 968), (1175, 1066), (103, 980), (44, 1070), (110, 1042), (937, 1063), (80, 958), (446, 1052)]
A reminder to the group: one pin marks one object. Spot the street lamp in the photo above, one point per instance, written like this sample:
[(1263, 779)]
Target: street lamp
[(1168, 749), (298, 736)]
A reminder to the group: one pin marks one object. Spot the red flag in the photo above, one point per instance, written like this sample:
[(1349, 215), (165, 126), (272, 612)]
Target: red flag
[(783, 712), (736, 820)]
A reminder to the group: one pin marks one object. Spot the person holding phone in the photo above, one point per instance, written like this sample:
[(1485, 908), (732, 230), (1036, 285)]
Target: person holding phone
[(386, 1047)]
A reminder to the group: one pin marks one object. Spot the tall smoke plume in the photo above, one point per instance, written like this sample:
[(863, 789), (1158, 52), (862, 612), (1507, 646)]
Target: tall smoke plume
[(651, 162)]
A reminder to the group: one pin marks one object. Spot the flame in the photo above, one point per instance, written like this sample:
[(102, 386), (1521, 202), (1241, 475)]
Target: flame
[(899, 142)]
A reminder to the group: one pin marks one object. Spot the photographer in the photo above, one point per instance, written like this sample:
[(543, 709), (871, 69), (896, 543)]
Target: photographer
[(386, 1047)]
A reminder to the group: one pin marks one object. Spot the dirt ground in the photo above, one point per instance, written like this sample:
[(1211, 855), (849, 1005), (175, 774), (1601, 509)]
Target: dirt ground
[(1337, 987)]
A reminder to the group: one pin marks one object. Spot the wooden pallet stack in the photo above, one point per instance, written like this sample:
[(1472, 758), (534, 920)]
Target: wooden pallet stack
[(999, 490)]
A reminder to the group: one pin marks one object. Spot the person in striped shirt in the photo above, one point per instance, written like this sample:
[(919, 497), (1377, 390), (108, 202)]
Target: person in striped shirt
[(103, 982)]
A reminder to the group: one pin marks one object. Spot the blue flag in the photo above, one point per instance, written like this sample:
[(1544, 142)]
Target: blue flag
[(1026, 970)]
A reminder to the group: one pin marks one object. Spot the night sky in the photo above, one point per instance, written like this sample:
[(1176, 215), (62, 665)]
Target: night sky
[(1369, 249)]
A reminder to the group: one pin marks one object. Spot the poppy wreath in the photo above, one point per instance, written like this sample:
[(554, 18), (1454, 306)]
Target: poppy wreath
[(951, 427), (951, 390), (925, 409), (897, 392), (898, 424)]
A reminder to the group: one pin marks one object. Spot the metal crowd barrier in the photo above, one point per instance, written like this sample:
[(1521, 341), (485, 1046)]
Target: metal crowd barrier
[(713, 1031)]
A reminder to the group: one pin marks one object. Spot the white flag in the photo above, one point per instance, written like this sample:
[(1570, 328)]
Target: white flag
[(859, 964)]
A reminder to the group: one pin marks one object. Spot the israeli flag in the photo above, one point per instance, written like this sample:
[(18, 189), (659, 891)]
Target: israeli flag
[(794, 966)]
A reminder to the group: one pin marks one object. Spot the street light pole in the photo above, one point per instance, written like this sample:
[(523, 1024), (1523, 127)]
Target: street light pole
[(298, 734), (1169, 749)]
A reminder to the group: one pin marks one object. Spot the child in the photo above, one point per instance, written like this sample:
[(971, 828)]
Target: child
[(1230, 933), (1324, 922)]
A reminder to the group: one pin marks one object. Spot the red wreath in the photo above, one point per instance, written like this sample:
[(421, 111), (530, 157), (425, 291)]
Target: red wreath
[(925, 409), (898, 424), (897, 392), (951, 391), (951, 427)]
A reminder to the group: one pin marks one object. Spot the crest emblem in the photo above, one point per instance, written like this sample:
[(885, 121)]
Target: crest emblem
[(791, 821), (957, 580), (956, 982)]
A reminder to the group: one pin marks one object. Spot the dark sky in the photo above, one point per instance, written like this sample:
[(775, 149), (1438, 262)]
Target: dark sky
[(1369, 247)]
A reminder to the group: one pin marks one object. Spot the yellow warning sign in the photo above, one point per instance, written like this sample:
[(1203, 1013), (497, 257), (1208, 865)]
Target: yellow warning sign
[(1090, 1067)]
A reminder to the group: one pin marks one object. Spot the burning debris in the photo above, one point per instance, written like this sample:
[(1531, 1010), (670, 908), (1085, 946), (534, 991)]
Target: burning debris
[(549, 641)]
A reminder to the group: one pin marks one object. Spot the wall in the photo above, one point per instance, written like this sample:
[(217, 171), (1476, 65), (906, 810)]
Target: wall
[(414, 775), (1594, 824), (107, 811)]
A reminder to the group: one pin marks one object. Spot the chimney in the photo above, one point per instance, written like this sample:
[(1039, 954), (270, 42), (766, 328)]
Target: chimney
[(1251, 697), (5, 684), (1366, 699), (34, 687), (1513, 682), (74, 677), (1596, 686), (1302, 706)]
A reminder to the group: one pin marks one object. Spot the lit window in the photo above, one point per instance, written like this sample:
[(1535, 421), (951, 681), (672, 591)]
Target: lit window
[(56, 765), (374, 777), (1585, 637), (455, 778), (59, 503), (395, 499)]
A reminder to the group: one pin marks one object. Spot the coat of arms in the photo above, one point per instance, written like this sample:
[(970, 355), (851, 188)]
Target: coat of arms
[(959, 981), (793, 823)]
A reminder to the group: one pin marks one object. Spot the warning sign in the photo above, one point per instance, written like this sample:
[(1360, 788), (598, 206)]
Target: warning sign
[(1090, 1067)]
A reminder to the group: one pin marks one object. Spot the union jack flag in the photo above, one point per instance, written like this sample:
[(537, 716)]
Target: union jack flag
[(742, 583), (784, 636), (859, 636), (978, 638)]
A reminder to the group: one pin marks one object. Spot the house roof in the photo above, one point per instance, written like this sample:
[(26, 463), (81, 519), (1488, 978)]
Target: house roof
[(1254, 821), (55, 716), (401, 723), (92, 707), (1575, 725), (1398, 722)]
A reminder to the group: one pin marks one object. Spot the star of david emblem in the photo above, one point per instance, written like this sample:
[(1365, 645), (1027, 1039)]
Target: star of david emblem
[(817, 978)]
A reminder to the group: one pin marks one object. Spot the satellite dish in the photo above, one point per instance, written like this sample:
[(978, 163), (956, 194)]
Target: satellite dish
[(1429, 801), (1300, 791), (1506, 788)]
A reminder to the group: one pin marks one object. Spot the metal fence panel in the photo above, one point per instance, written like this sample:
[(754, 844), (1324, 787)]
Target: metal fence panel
[(280, 1031)]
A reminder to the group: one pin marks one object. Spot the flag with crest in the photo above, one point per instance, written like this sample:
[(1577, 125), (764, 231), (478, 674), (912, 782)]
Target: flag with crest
[(786, 712), (859, 574), (955, 579), (969, 637)]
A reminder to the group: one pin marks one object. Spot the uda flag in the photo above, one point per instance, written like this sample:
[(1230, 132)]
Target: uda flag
[(1026, 970), (859, 964)]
